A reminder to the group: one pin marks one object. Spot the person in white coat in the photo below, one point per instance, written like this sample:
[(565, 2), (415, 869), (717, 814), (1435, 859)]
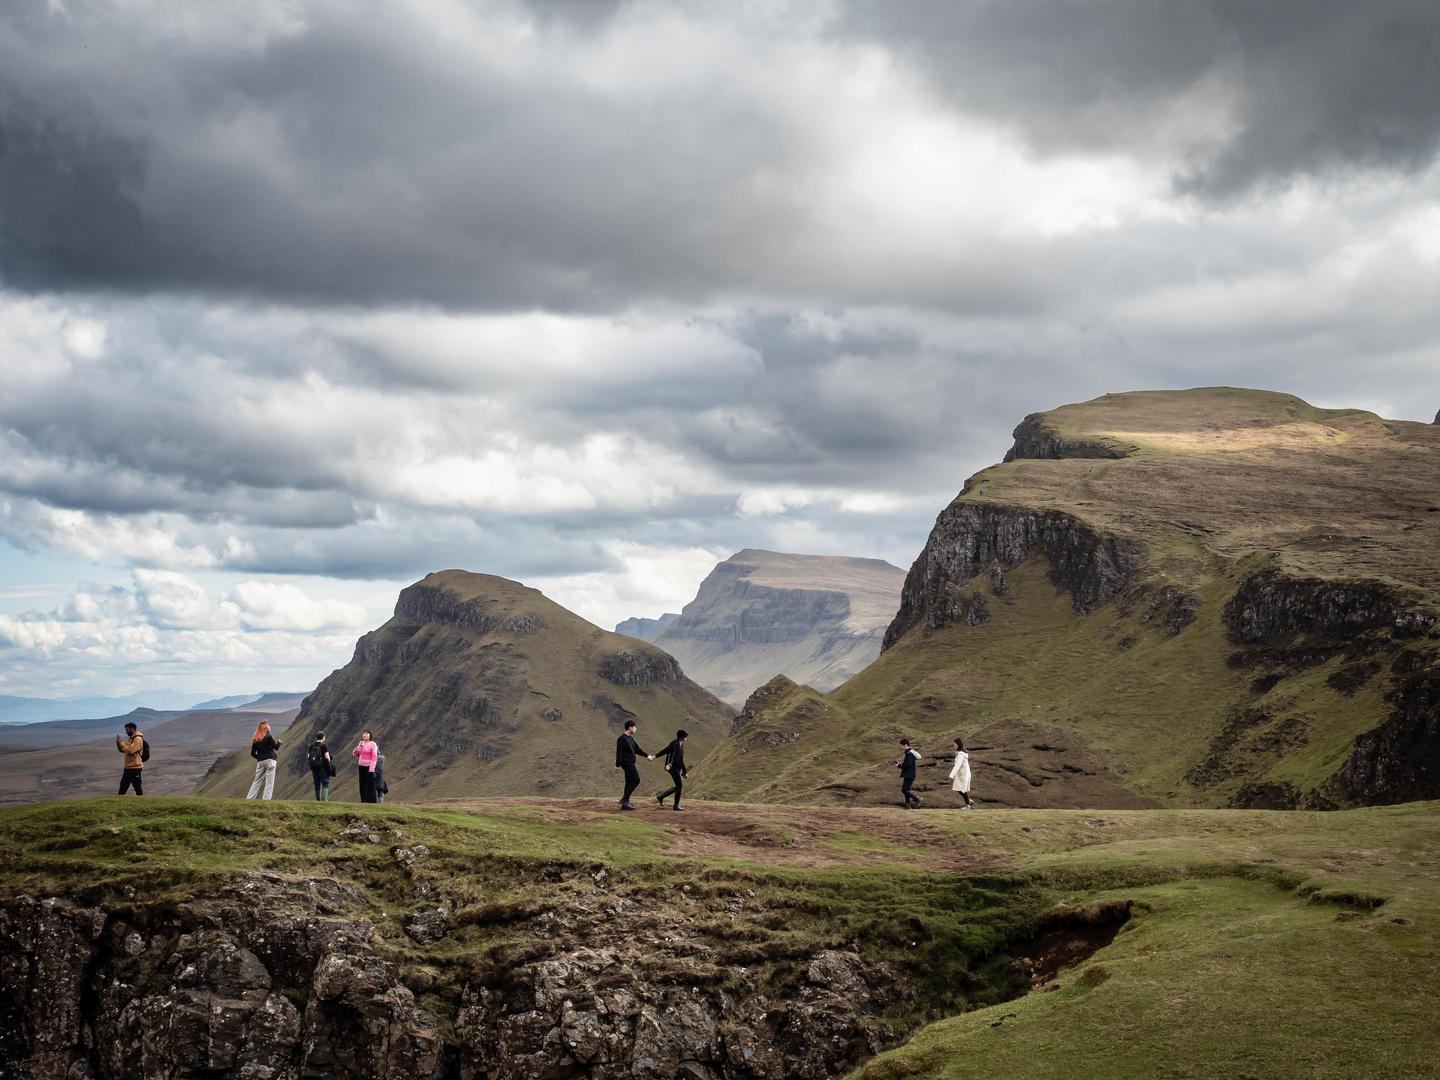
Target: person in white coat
[(960, 774)]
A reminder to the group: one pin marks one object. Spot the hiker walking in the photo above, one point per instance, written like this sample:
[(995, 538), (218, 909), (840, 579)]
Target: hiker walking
[(262, 748), (368, 753), (906, 765), (626, 748), (381, 787), (317, 757), (135, 751), (960, 774), (674, 756)]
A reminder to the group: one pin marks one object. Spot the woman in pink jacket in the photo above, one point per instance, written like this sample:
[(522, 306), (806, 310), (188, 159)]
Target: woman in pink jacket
[(367, 752)]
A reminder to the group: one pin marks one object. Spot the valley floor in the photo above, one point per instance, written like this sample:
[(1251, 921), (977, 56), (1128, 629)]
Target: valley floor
[(1259, 943)]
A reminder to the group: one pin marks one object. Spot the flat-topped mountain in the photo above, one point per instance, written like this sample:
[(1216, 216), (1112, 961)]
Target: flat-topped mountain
[(644, 628), (481, 686), (1202, 597), (818, 619)]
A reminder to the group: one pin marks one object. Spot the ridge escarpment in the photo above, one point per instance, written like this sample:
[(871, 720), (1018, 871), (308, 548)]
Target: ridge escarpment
[(1214, 597)]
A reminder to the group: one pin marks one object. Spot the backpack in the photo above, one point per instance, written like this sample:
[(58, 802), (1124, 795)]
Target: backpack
[(315, 756), (144, 749)]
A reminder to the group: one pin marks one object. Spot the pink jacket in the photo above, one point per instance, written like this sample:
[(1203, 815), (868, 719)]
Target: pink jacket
[(367, 752)]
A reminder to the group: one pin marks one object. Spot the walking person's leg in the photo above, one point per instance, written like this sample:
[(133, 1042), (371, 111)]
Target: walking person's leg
[(269, 777), (632, 781), (258, 782), (325, 786), (905, 789), (129, 778), (665, 794), (679, 783), (136, 782)]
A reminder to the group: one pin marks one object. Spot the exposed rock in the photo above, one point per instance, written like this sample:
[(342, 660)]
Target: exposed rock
[(428, 927), (638, 668), (1036, 438), (1270, 604), (1400, 759), (970, 537)]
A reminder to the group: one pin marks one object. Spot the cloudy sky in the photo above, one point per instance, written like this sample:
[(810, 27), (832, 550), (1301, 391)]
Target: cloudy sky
[(302, 300)]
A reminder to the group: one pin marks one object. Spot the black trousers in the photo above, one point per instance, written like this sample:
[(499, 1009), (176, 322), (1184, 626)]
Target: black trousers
[(679, 782), (632, 781), (367, 785), (128, 777), (905, 782)]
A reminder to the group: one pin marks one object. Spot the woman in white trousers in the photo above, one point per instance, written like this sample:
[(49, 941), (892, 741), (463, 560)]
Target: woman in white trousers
[(960, 774), (262, 749)]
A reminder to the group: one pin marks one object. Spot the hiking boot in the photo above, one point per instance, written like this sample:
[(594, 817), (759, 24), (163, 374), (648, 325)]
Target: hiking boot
[(626, 806), (677, 808), (918, 800), (660, 799)]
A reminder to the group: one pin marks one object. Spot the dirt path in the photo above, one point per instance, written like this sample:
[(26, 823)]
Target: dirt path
[(787, 835)]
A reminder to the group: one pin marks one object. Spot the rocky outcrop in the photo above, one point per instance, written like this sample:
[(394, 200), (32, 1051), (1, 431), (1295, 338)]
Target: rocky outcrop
[(1271, 604), (265, 980), (1035, 438), (639, 667), (210, 991), (971, 538), (587, 1014), (429, 604), (1400, 760)]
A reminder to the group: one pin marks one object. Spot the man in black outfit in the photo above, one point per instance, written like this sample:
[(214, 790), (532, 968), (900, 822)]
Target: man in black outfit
[(674, 756), (907, 773), (625, 750)]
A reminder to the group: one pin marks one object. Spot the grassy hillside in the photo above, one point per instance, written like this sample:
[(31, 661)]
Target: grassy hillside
[(1205, 602), (483, 686), (1258, 944)]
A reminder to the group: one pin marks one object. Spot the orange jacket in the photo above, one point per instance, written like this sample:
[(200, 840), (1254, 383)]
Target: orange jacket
[(131, 750)]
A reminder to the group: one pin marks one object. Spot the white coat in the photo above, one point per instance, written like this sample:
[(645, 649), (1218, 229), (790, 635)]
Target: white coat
[(960, 774)]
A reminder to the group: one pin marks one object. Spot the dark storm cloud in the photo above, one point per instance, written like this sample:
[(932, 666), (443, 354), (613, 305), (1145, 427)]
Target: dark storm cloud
[(590, 156), (1310, 85)]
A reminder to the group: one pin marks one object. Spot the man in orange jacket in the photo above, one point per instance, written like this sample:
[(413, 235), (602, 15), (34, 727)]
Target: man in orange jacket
[(132, 746)]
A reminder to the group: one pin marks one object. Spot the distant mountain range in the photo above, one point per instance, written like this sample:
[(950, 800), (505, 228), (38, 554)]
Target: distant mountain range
[(818, 619), (28, 710), (645, 628)]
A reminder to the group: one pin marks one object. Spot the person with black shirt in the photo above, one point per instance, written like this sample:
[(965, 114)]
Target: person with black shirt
[(262, 749), (626, 748), (674, 756), (907, 773), (317, 758)]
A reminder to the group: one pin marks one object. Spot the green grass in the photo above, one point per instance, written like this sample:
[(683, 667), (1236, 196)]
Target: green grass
[(1266, 944)]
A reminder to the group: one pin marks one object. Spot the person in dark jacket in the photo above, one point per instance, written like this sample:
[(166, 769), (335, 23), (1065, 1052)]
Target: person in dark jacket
[(906, 765), (381, 787), (262, 748), (132, 746), (317, 757), (674, 756), (626, 748)]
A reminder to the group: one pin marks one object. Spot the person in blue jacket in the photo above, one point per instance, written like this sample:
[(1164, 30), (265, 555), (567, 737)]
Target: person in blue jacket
[(906, 764)]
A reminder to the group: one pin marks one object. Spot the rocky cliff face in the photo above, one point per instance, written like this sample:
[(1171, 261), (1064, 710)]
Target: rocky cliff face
[(817, 619), (280, 976), (971, 538), (1293, 624), (1035, 437), (481, 685), (265, 980)]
